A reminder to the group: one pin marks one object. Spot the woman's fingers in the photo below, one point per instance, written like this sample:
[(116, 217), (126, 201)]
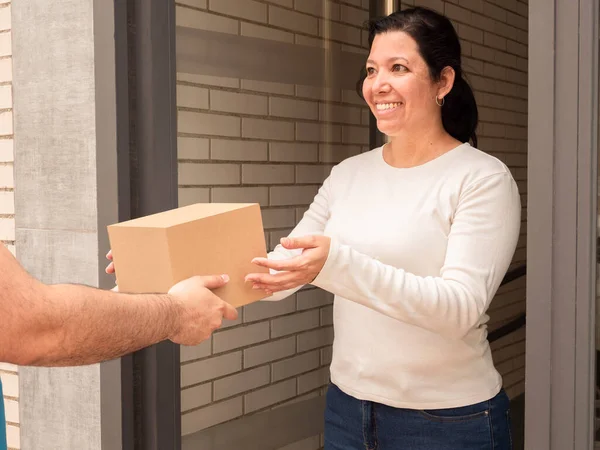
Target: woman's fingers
[(279, 265), (304, 242), (265, 279), (269, 289)]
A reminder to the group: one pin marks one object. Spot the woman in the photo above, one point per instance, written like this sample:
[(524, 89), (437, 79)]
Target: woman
[(413, 239)]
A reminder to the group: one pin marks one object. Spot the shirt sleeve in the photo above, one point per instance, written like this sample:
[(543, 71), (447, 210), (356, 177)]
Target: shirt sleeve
[(481, 243), (313, 223)]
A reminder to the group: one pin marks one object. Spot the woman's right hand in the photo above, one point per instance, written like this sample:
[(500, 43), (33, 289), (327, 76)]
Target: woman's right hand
[(111, 266)]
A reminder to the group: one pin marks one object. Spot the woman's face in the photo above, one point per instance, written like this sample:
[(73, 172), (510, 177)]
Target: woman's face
[(398, 88)]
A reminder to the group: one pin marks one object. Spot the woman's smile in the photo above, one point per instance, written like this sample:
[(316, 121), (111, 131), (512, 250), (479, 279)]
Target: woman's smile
[(386, 109)]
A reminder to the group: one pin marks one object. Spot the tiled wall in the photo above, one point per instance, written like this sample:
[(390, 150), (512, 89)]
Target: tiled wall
[(494, 39), (249, 140), (274, 143), (8, 372)]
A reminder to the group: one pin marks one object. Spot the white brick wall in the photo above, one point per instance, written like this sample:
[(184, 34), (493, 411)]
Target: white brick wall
[(8, 372), (274, 143), (494, 37)]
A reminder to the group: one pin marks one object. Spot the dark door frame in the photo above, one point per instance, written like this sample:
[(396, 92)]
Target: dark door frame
[(147, 183)]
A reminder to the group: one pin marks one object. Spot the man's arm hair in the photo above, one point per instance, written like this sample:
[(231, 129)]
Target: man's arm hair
[(65, 325)]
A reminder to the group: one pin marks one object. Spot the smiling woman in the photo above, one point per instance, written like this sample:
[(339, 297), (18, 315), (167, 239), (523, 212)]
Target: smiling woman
[(413, 238), (409, 66)]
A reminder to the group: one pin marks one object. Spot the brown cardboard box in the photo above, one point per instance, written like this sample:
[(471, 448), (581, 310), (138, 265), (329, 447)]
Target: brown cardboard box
[(153, 253)]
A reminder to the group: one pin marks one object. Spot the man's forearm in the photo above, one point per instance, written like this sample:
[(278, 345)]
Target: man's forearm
[(74, 325)]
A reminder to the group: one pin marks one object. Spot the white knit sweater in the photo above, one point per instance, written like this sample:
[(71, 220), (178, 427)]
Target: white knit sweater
[(417, 255)]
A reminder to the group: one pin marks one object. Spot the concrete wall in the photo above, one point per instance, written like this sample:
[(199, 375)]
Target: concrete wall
[(63, 67), (248, 140), (494, 38), (8, 372)]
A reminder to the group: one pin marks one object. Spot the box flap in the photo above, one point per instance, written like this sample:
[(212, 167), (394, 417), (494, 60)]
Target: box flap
[(181, 215)]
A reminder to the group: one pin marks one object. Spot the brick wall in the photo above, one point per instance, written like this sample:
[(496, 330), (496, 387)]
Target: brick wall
[(274, 143), (494, 39), (248, 140), (8, 372)]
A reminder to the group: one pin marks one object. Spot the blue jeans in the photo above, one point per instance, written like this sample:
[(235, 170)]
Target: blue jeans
[(352, 424)]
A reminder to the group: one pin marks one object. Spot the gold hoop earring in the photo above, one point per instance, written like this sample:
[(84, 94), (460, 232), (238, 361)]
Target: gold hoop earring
[(437, 102)]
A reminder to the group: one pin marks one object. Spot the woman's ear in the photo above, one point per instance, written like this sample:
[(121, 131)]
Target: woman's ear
[(446, 82)]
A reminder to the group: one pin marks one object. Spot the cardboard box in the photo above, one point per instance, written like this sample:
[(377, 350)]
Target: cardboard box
[(153, 253)]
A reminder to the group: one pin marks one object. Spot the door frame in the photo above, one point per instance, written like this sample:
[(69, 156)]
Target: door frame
[(147, 184), (561, 224)]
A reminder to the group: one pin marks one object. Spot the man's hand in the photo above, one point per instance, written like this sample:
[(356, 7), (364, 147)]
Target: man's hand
[(67, 324), (201, 311)]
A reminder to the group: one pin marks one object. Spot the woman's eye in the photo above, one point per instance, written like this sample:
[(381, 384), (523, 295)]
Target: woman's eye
[(398, 68), (370, 70)]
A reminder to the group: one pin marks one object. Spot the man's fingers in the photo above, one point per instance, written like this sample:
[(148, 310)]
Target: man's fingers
[(109, 255), (214, 281), (110, 268), (230, 313)]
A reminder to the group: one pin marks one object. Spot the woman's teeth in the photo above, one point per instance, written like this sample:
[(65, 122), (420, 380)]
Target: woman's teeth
[(384, 106)]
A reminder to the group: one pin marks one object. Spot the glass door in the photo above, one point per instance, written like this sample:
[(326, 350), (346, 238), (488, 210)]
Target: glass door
[(266, 106)]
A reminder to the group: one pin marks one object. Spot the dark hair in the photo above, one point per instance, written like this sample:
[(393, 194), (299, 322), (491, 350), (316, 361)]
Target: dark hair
[(439, 46)]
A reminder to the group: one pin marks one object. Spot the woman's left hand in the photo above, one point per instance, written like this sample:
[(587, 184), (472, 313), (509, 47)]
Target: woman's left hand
[(296, 271)]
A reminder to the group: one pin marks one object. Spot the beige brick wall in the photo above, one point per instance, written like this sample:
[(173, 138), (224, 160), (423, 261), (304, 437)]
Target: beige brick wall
[(274, 143), (494, 38), (246, 140), (8, 372), (243, 140)]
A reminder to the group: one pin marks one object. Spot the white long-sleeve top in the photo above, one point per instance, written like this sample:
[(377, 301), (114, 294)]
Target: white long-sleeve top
[(416, 257)]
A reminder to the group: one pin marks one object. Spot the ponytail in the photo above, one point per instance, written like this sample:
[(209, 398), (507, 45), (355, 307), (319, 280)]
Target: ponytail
[(459, 112)]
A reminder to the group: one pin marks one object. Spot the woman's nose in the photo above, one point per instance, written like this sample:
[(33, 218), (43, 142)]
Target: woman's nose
[(381, 83)]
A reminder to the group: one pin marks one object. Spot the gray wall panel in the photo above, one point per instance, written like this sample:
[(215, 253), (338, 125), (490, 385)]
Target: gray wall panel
[(65, 170), (54, 116)]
